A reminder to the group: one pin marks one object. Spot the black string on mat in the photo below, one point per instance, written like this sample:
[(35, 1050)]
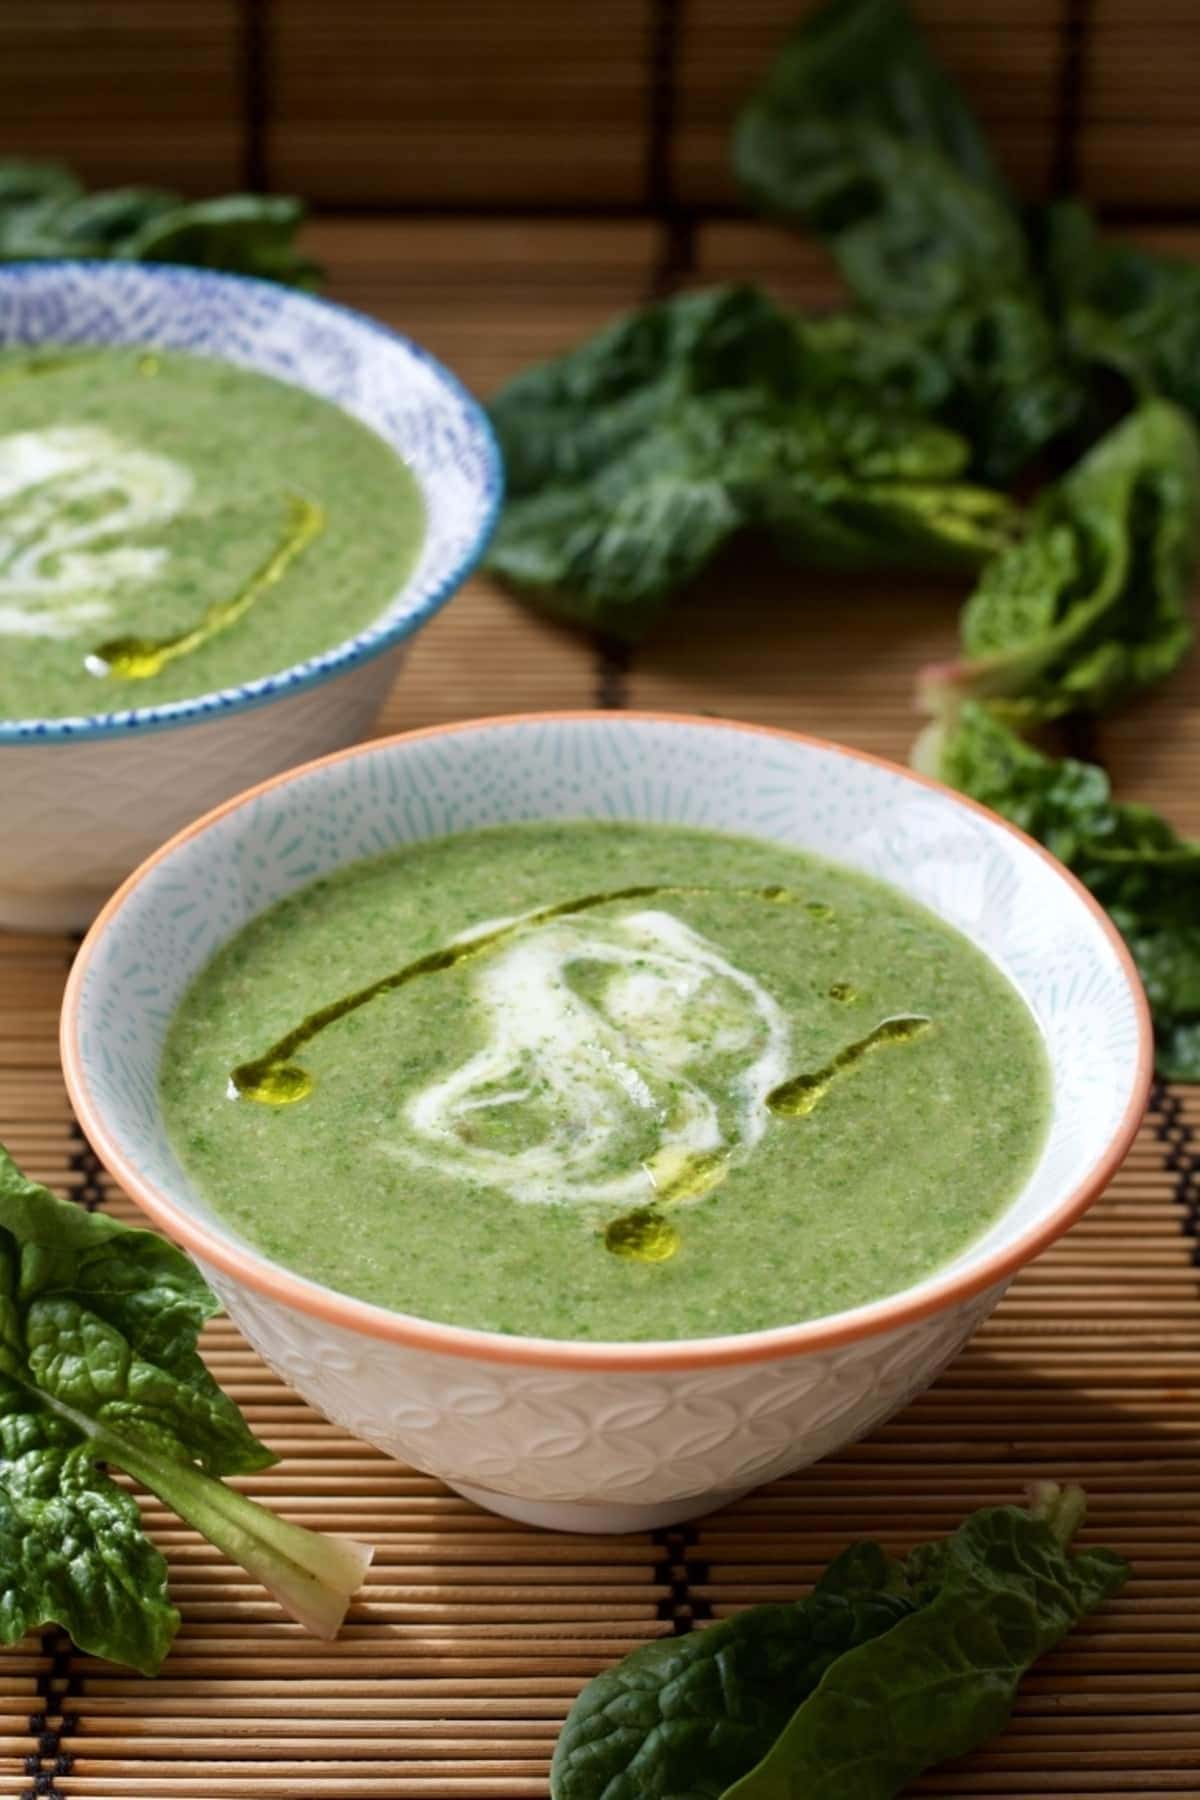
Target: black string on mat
[(676, 1573), (1181, 1156), (50, 1727)]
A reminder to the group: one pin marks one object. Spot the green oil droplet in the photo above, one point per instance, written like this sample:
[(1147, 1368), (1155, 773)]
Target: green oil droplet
[(138, 658), (843, 991), (130, 658), (797, 1097), (642, 1236), (272, 1084), (819, 910), (149, 364)]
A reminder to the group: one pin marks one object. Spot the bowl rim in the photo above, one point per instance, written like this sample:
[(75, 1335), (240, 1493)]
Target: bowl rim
[(349, 653), (248, 1268)]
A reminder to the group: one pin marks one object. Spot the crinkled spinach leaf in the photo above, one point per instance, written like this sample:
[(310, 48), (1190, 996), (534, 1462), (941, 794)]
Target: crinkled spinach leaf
[(857, 131), (98, 1365), (1124, 308), (72, 1547), (45, 213), (634, 458), (564, 420), (943, 1680), (244, 234), (1094, 601), (718, 1713), (1142, 871), (681, 1718)]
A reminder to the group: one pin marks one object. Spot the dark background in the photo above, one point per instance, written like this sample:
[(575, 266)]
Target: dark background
[(617, 105)]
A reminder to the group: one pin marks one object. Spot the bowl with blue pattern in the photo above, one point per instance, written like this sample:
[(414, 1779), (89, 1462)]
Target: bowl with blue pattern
[(83, 799), (583, 1435)]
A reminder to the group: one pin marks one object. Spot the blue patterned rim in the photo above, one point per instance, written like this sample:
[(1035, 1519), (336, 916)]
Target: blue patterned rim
[(352, 651)]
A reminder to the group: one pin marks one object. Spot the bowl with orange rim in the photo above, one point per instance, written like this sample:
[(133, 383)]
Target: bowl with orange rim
[(589, 1435)]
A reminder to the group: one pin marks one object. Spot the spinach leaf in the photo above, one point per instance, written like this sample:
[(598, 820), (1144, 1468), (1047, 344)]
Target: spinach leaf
[(681, 1718), (1000, 1594), (851, 351), (564, 420), (45, 213), (858, 132), (1093, 603), (707, 1716), (98, 1364), (244, 234), (29, 193), (1142, 871), (634, 458), (1124, 308), (72, 1546)]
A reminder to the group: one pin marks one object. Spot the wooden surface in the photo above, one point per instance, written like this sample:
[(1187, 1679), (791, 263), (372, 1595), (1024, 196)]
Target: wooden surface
[(1139, 126), (144, 91), (532, 104), (468, 102), (473, 1634)]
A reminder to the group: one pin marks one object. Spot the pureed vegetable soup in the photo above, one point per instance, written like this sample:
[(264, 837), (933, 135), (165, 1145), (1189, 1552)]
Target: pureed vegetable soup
[(171, 524), (585, 1080)]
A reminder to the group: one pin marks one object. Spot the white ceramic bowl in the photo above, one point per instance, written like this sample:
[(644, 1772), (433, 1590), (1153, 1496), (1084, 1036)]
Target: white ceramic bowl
[(82, 800), (609, 1437)]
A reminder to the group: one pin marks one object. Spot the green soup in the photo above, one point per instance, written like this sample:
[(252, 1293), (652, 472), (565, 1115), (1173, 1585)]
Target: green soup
[(605, 1081), (170, 525)]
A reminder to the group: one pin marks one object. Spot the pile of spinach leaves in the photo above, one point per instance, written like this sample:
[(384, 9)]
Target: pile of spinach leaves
[(983, 343), (980, 340), (98, 1366), (633, 459), (859, 133), (46, 213), (884, 1670)]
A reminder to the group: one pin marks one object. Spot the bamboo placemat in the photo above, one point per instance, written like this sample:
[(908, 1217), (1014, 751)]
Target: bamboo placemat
[(516, 103), (473, 1634)]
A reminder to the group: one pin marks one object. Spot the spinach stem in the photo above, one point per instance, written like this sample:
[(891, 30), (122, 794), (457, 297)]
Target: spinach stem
[(312, 1575), (1061, 1508)]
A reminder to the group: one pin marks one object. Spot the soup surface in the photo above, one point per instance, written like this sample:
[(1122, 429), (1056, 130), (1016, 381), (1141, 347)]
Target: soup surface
[(608, 1081), (170, 525)]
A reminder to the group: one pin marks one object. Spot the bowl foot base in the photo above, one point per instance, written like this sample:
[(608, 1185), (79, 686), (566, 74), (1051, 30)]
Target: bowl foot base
[(68, 909), (594, 1516)]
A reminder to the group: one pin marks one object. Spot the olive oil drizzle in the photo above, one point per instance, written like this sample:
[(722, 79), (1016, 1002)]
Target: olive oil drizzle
[(801, 1094), (53, 362), (273, 1079), (644, 1234), (138, 658)]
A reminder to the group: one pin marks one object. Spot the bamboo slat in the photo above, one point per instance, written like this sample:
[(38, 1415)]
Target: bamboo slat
[(129, 91), (473, 1635), (1139, 136), (476, 103)]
